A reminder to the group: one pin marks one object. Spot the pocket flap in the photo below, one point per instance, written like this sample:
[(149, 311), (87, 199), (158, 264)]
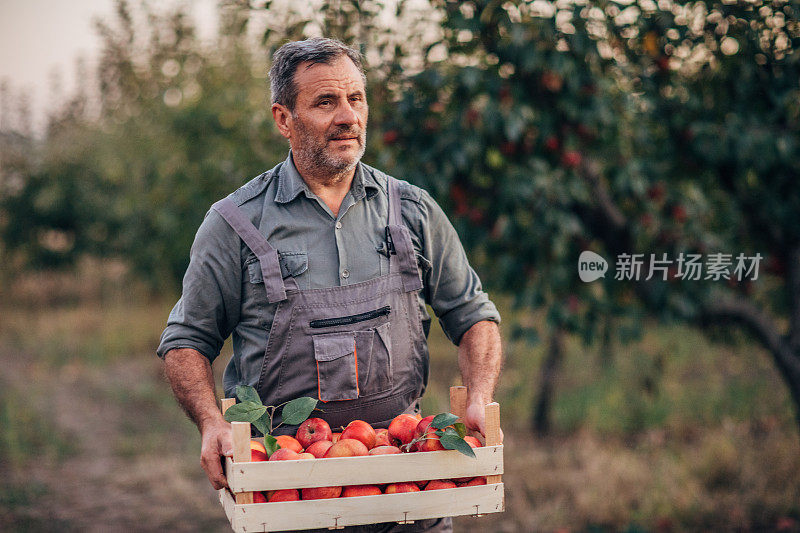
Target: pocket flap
[(293, 263), (331, 346)]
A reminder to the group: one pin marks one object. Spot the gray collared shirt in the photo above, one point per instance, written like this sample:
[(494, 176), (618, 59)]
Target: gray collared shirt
[(223, 289)]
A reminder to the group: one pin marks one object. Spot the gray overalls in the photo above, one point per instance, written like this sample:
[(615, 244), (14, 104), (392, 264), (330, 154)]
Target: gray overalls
[(359, 348)]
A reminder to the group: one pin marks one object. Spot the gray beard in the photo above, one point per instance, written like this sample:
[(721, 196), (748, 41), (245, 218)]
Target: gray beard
[(316, 155)]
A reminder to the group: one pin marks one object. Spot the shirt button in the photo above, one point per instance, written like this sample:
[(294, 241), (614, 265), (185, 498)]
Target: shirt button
[(345, 273), (338, 225)]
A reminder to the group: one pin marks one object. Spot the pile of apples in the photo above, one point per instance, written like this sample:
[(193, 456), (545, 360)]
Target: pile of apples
[(315, 440)]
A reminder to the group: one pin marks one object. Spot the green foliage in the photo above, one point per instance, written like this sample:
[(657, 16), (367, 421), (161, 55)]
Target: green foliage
[(297, 410), (451, 440), (245, 412)]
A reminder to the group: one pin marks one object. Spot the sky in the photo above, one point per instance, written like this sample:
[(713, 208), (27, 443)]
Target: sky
[(39, 37)]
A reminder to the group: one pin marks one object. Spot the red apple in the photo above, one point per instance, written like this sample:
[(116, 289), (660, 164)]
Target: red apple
[(440, 484), (289, 442), (360, 430), (402, 428), (335, 437), (321, 493), (473, 441), (284, 454), (382, 438), (431, 442), (347, 448), (481, 480), (306, 455), (285, 495), (395, 488), (258, 497), (313, 430), (319, 448), (257, 451), (384, 450), (361, 490)]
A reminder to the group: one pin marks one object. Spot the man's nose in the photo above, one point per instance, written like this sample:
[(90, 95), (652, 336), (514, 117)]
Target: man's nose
[(345, 114)]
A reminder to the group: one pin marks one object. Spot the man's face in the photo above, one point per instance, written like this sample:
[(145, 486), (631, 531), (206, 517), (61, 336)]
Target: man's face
[(328, 127)]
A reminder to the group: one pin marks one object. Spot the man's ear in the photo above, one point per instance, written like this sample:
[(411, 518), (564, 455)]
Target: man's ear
[(283, 119)]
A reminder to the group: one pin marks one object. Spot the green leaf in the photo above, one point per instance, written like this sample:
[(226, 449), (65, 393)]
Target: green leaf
[(454, 442), (246, 393), (271, 444), (245, 412), (443, 420), (452, 432), (263, 424), (297, 410), (461, 429)]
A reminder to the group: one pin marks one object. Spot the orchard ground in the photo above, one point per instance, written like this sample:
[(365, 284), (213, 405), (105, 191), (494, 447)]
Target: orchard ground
[(673, 432)]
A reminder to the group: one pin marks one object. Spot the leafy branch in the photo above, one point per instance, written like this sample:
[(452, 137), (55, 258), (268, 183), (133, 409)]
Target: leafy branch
[(450, 433), (251, 410)]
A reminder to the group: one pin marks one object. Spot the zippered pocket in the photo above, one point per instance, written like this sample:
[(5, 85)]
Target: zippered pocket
[(350, 319)]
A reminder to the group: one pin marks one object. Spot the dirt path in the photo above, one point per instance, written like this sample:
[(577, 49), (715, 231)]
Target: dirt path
[(130, 473)]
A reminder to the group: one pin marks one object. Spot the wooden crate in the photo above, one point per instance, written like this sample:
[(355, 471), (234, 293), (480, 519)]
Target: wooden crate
[(245, 476)]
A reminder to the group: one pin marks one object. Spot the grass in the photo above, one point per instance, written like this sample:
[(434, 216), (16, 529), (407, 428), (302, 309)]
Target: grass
[(673, 433)]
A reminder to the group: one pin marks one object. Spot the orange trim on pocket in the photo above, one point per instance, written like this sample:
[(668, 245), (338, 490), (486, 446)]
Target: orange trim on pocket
[(319, 385), (355, 354)]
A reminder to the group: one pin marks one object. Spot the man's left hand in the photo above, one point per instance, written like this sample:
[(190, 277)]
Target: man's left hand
[(475, 419)]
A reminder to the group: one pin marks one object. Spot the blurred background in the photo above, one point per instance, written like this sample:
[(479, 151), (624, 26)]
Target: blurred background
[(542, 128)]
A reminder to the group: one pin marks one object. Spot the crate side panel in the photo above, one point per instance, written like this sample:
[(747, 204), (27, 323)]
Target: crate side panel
[(338, 512), (374, 469), (229, 506)]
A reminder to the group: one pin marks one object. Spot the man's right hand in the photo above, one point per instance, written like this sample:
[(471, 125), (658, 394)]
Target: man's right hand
[(216, 443)]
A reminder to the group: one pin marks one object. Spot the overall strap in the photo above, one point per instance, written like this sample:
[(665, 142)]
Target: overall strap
[(267, 256), (399, 240)]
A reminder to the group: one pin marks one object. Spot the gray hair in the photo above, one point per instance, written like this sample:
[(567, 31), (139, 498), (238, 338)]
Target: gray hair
[(289, 56)]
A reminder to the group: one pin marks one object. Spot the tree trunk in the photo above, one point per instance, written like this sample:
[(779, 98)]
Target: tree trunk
[(745, 314), (540, 422)]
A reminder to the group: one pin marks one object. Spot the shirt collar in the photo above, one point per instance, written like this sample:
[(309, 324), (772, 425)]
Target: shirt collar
[(291, 183)]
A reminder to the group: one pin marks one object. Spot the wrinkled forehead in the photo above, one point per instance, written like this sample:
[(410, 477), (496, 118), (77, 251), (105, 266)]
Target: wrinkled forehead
[(340, 76)]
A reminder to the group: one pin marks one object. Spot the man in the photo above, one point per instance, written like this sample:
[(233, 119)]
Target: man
[(321, 268)]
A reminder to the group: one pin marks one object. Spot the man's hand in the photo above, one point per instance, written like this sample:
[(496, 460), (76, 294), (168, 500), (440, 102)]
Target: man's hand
[(189, 373), (475, 418), (216, 443), (479, 358)]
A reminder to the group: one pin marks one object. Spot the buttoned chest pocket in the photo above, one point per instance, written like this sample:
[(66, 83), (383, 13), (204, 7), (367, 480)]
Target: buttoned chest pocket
[(293, 264)]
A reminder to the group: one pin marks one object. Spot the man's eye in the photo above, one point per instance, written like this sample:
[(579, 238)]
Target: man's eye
[(324, 103)]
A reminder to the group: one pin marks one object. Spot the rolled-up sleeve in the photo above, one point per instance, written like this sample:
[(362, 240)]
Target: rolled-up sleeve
[(209, 306), (452, 287)]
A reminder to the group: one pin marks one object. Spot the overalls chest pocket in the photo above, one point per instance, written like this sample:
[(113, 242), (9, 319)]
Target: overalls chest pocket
[(353, 363)]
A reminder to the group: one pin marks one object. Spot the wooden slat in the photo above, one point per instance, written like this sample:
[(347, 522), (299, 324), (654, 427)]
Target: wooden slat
[(338, 512), (225, 403), (241, 454), (227, 502), (374, 469), (493, 433), (458, 402)]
